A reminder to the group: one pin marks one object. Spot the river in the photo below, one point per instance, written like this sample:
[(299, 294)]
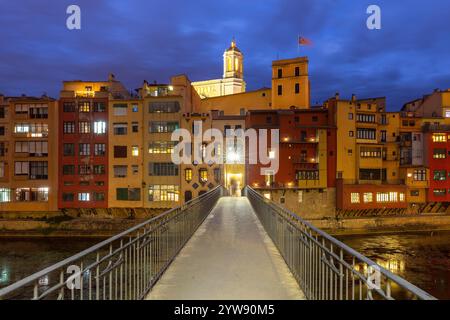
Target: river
[(421, 258)]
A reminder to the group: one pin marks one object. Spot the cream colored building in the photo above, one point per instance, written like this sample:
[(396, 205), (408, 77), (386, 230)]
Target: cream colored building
[(233, 76)]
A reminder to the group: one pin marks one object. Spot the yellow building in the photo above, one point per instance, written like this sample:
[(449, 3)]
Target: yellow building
[(28, 154), (290, 84), (126, 153), (232, 81)]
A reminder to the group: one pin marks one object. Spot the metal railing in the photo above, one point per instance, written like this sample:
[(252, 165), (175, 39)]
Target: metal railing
[(325, 268), (124, 267)]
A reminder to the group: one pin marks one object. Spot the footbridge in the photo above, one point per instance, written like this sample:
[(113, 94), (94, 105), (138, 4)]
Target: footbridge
[(218, 247)]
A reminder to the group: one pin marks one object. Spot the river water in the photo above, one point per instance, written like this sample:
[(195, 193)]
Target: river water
[(421, 258)]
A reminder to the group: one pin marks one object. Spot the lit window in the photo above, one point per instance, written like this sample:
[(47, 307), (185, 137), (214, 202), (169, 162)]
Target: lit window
[(163, 193), (439, 153), (354, 197), (272, 154), (402, 197), (300, 196), (439, 137), (100, 127), (188, 175), (135, 108), (447, 113), (84, 127), (5, 195), (203, 175), (84, 107), (84, 196), (382, 197), (267, 195), (269, 178), (368, 197), (393, 196), (135, 151)]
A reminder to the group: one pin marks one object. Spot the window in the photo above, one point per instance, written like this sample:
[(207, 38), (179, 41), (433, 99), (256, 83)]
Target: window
[(84, 196), (21, 108), (120, 129), (382, 197), (99, 149), (22, 128), (368, 197), (351, 134), (84, 169), (420, 175), (368, 152), (439, 137), (188, 175), (100, 127), (440, 175), (350, 116), (393, 196), (38, 111), (120, 109), (120, 151), (402, 197), (297, 71), (69, 149), (280, 73), (68, 197), (135, 108), (415, 193), (2, 131), (99, 169), (2, 169), (440, 192), (21, 168), (307, 175), (99, 196), (128, 194), (365, 118), (84, 127), (135, 169), (84, 106), (439, 153), (69, 127), (99, 107), (280, 90), (99, 183), (69, 107), (217, 175), (68, 169), (383, 135), (5, 195), (163, 169), (297, 88), (84, 149), (164, 107), (162, 126), (134, 127), (354, 197), (369, 174), (163, 193), (120, 171), (315, 119), (135, 151), (38, 170), (366, 134), (203, 175)]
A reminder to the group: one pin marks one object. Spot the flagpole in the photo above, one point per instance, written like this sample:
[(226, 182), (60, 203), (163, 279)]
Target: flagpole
[(298, 45)]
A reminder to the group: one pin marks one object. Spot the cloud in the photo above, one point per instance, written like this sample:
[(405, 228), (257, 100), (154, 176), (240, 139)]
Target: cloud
[(152, 40)]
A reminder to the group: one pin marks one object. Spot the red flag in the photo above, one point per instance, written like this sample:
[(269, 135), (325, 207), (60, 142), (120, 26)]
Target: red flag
[(304, 42)]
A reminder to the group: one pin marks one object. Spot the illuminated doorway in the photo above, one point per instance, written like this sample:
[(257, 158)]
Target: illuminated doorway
[(234, 184)]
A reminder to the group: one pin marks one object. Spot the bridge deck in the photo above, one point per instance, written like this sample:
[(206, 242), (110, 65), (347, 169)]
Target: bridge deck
[(229, 257)]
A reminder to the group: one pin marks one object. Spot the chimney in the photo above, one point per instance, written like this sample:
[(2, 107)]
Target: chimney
[(336, 96), (111, 77), (353, 97)]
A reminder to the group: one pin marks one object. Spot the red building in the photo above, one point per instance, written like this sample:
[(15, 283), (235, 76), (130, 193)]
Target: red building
[(307, 150), (437, 153)]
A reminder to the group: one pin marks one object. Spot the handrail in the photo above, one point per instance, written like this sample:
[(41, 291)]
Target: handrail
[(151, 231), (324, 245)]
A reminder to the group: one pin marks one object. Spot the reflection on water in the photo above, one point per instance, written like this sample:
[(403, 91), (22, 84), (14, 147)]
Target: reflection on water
[(20, 258), (421, 258)]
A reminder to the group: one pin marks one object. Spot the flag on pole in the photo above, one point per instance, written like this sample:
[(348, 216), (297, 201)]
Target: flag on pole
[(304, 41)]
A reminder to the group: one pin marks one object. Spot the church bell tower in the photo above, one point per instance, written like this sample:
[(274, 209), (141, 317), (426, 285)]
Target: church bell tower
[(232, 62)]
